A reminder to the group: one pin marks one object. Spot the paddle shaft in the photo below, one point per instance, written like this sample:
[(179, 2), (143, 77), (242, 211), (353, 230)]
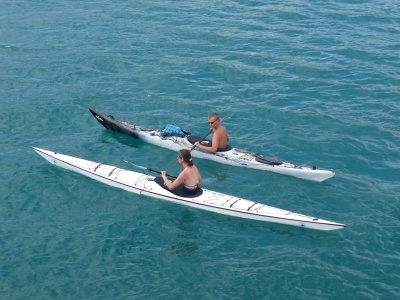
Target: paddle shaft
[(149, 169), (194, 146)]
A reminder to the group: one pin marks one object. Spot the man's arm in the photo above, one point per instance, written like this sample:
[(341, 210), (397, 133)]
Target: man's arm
[(213, 148)]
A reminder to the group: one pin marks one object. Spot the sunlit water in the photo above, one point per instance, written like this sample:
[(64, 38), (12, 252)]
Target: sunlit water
[(309, 82)]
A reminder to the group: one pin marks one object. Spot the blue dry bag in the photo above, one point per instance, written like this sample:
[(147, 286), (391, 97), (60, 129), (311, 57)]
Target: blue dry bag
[(172, 130)]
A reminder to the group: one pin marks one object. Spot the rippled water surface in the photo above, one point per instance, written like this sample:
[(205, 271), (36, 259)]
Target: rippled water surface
[(310, 82)]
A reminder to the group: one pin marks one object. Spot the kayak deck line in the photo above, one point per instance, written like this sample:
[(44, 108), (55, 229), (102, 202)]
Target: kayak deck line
[(209, 200), (232, 156)]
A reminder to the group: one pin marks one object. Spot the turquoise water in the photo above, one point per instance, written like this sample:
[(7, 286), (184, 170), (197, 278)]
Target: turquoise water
[(310, 82)]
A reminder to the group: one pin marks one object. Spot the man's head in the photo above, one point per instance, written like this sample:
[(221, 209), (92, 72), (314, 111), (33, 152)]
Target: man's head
[(213, 119)]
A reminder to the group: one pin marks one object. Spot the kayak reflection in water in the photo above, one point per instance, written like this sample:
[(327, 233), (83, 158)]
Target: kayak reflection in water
[(189, 177)]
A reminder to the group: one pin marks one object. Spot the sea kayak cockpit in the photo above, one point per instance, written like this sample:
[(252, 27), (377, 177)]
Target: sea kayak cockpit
[(193, 139), (179, 190)]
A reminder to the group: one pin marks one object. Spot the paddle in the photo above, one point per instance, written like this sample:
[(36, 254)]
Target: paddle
[(206, 181), (194, 146), (148, 169)]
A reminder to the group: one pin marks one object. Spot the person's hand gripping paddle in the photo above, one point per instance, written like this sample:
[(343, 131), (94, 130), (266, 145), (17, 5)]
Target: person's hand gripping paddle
[(194, 146)]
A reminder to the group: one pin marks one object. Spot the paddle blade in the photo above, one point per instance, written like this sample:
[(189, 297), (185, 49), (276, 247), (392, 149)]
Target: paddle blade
[(137, 166), (208, 181)]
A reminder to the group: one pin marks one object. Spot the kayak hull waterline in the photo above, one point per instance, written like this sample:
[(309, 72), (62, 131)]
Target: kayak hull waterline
[(235, 157), (208, 200)]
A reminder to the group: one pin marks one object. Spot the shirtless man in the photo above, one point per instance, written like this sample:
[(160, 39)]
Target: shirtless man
[(220, 138)]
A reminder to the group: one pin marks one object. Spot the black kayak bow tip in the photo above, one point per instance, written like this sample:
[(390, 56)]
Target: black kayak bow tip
[(113, 124)]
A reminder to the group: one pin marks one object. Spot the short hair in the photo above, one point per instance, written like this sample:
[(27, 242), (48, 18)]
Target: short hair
[(214, 115)]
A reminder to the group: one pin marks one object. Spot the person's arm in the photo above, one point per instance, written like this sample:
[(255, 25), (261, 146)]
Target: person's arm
[(205, 148), (175, 183), (214, 144)]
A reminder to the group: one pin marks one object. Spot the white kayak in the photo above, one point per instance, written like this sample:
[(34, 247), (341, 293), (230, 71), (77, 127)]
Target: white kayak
[(230, 156), (204, 199)]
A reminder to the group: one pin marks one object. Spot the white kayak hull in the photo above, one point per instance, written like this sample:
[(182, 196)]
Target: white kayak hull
[(209, 200), (234, 157)]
